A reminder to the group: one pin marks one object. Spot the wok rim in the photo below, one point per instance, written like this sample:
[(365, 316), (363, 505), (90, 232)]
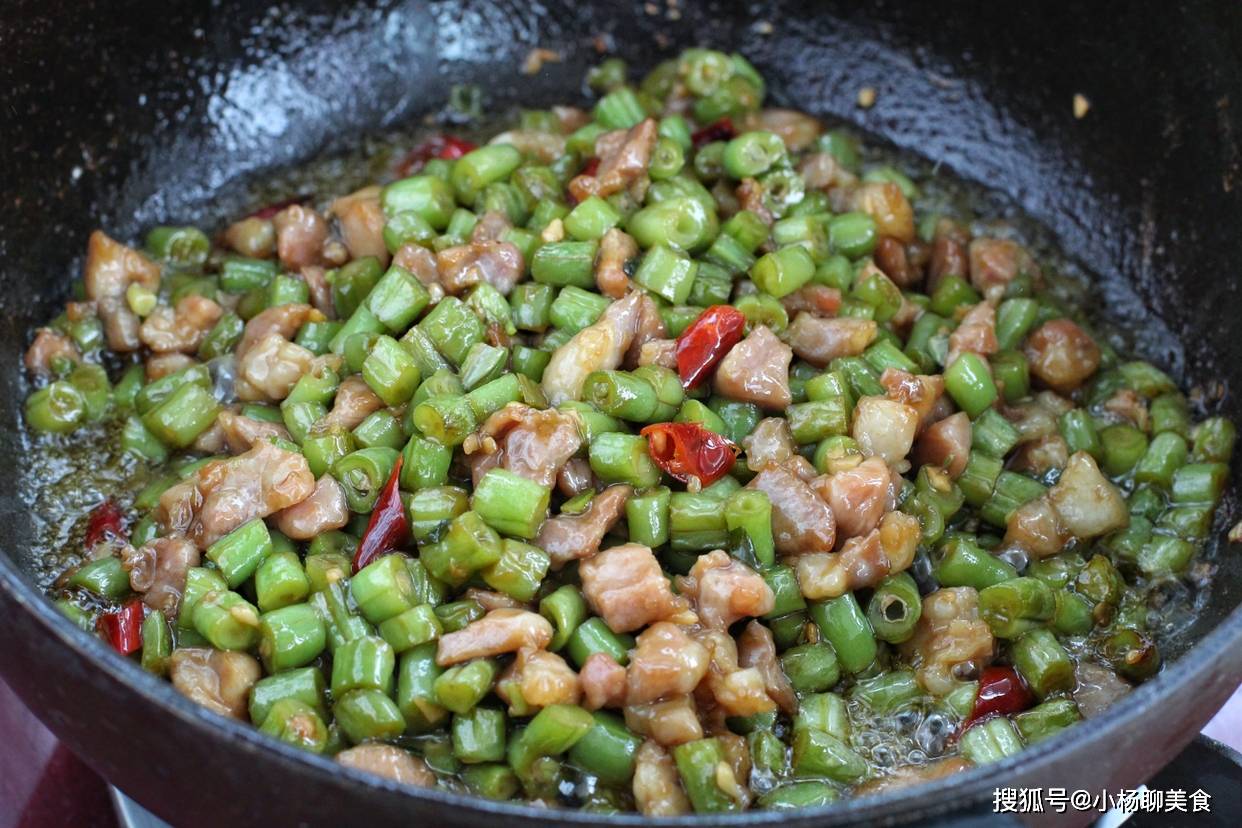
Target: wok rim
[(968, 788)]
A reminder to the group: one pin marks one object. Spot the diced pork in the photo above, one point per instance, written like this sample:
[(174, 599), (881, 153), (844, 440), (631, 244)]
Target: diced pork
[(224, 494), (797, 129), (49, 345), (361, 219), (949, 633), (532, 443), (1062, 355), (919, 391), (597, 347), (817, 300), (975, 334), (323, 511), (756, 648), (157, 570), (650, 329), (615, 249), (354, 402), (300, 236), (669, 722), (946, 443), (570, 537), (884, 428), (252, 236), (801, 522), (500, 631), (887, 204), (770, 443), (756, 370), (666, 662), (819, 341), (623, 158), (657, 785), (994, 263), (390, 762), (498, 263), (862, 561), (111, 268), (860, 496), (218, 680), (242, 433), (536, 679), (603, 682), (269, 370), (182, 329), (723, 590), (625, 586), (1036, 528), (731, 689), (282, 320), (1088, 503)]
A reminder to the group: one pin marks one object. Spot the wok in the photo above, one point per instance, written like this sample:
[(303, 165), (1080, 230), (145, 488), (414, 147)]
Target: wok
[(125, 114)]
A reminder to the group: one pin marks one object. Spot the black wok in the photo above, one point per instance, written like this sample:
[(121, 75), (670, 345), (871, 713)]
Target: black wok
[(123, 114)]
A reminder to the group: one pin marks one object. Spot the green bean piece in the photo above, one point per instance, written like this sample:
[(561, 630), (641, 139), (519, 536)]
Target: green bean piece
[(416, 697), (700, 764), (1046, 719), (461, 687), (970, 384), (895, 607), (1043, 662), (565, 263), (519, 571), (199, 581), (1123, 446), (575, 308), (1132, 654), (1165, 555), (1014, 607), (962, 562), (990, 741), (1166, 453), (362, 474), (696, 522), (447, 420), (490, 780), (292, 636), (682, 223), (607, 749), (383, 589), (479, 735), (323, 449), (811, 668), (459, 614), (843, 624), (280, 581), (593, 636), (368, 714), (1072, 614), (366, 662), (186, 413), (105, 577), (239, 553), (1199, 483), (566, 609), (820, 754), (888, 692), (1214, 439), (511, 504), (305, 685), (296, 723), (227, 620), (796, 795), (623, 458), (157, 645), (431, 509), (467, 546)]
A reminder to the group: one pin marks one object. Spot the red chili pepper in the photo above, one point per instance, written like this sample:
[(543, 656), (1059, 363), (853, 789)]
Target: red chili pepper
[(591, 167), (448, 147), (107, 522), (721, 130), (123, 627), (389, 527), (1001, 692), (687, 450), (706, 341)]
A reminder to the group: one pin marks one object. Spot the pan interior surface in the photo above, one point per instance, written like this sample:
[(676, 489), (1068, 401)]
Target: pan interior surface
[(168, 114)]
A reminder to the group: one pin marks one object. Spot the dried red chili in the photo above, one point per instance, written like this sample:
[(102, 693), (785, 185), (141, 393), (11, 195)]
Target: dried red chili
[(686, 450), (448, 147), (721, 130), (1001, 692), (706, 341), (123, 627), (389, 527), (591, 167), (106, 522)]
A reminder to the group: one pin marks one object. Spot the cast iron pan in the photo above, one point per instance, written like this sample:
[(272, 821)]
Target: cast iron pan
[(124, 114)]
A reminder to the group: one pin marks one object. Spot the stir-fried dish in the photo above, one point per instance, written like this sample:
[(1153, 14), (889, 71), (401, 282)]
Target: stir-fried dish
[(665, 456)]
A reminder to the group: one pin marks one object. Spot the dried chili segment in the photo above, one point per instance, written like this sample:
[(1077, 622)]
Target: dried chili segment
[(448, 147), (123, 627), (687, 450), (106, 522), (720, 130), (1001, 692), (706, 341), (389, 526)]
